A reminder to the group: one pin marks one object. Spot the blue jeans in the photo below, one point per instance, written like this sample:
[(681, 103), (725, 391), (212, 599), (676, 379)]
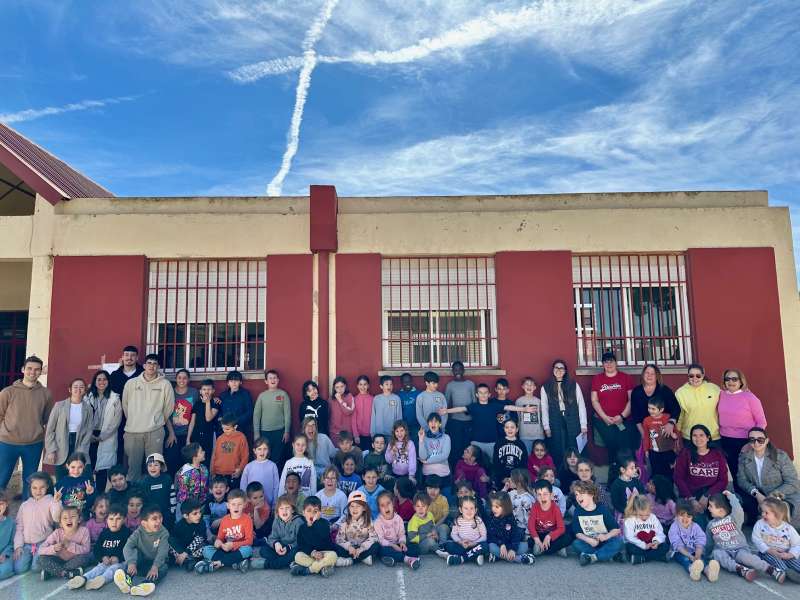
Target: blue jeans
[(210, 553), (392, 553), (604, 552), (104, 571), (684, 560), (6, 568), (28, 560), (522, 548), (30, 454)]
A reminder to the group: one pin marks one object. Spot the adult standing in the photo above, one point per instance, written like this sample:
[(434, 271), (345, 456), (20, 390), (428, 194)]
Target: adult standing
[(128, 369), (107, 407), (69, 428), (458, 392), (739, 410), (147, 402), (765, 470), (183, 421), (698, 399), (272, 417), (563, 411), (611, 400), (25, 408), (236, 401), (651, 386)]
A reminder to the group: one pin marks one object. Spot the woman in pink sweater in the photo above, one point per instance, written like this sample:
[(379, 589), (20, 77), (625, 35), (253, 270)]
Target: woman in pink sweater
[(739, 410)]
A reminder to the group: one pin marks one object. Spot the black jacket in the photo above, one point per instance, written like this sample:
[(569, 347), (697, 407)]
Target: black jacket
[(111, 543), (317, 409), (316, 537), (188, 537)]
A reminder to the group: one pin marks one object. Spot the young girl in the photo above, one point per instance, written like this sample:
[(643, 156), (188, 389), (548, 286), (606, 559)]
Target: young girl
[(191, 481), (362, 414), (294, 492), (356, 533), (470, 469), (314, 406), (35, 520), (730, 545), (342, 406), (334, 501), (625, 486), (549, 475), (403, 498), (569, 469), (97, 523), (371, 490), (530, 417), (262, 470), (183, 420), (468, 535), (504, 536), (585, 472), (392, 535), (776, 540), (302, 465), (68, 549), (349, 481), (434, 450), (280, 548), (538, 459), (133, 518), (688, 541), (644, 536), (660, 491), (597, 534), (77, 487), (509, 454), (6, 539), (519, 492), (401, 454)]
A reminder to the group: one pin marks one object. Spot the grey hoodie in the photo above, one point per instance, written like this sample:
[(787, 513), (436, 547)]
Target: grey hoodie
[(147, 404), (283, 532), (144, 546), (385, 411), (726, 533)]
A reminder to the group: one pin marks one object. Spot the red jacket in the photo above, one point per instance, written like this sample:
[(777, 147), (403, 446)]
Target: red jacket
[(239, 531), (546, 522)]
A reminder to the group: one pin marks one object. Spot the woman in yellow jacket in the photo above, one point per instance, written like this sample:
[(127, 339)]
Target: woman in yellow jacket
[(698, 399)]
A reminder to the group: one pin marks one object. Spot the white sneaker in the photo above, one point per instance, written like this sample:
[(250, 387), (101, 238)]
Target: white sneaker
[(480, 560), (76, 582), (367, 561), (343, 562), (122, 581), (143, 589), (95, 583)]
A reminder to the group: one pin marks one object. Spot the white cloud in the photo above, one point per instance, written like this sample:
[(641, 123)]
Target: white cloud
[(37, 113)]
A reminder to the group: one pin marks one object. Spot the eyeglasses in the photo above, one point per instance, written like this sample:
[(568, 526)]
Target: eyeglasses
[(730, 379), (758, 440), (695, 375)]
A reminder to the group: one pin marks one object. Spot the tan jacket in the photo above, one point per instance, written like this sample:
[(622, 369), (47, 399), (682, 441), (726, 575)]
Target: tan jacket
[(147, 404), (56, 438), (24, 412)]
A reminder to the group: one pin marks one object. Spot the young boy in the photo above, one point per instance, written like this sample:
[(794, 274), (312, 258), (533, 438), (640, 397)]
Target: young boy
[(509, 454), (188, 536), (660, 446), (376, 459), (349, 481), (234, 544), (439, 507), (597, 533), (530, 409), (272, 417), (230, 452), (217, 503), (422, 535), (386, 408), (485, 413), (145, 555), (107, 551), (346, 450), (501, 390), (316, 552), (121, 489), (408, 399), (431, 400), (371, 490), (258, 509), (546, 524), (157, 488), (281, 545)]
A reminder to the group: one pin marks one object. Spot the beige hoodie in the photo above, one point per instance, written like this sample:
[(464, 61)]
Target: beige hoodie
[(147, 404), (24, 412)]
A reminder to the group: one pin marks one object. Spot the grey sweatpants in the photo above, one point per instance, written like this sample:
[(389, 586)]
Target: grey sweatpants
[(139, 446), (729, 559)]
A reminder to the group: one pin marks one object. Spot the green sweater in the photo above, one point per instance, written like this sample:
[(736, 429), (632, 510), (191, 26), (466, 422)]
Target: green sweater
[(273, 410), (145, 546)]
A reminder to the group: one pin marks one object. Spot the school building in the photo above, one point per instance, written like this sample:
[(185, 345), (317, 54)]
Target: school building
[(320, 286)]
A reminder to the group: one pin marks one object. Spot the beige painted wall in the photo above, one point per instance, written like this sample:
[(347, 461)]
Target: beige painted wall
[(15, 290)]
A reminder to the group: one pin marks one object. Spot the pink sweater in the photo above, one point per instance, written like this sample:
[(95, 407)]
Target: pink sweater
[(390, 531), (340, 419), (738, 412), (362, 416), (36, 520), (78, 544), (468, 531)]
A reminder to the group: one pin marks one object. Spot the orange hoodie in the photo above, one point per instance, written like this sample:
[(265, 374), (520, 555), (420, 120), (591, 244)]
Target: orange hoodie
[(230, 453)]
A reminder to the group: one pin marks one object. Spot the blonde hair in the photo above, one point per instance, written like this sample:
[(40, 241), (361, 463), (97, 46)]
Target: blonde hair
[(739, 374), (778, 506), (636, 504)]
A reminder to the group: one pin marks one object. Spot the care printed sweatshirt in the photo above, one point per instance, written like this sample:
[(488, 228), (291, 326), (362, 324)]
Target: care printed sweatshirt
[(709, 471), (641, 533), (784, 537)]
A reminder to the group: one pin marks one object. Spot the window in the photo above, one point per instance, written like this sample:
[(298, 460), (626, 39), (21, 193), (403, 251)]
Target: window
[(208, 315), (634, 305), (438, 310), (13, 334)]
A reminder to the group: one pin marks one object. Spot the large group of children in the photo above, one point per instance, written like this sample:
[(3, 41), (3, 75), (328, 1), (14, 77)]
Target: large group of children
[(389, 500)]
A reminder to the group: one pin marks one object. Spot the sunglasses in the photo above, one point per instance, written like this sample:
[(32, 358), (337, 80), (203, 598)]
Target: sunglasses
[(758, 440), (695, 375), (731, 379)]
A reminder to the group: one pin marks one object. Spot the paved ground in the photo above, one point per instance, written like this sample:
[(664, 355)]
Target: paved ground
[(551, 577)]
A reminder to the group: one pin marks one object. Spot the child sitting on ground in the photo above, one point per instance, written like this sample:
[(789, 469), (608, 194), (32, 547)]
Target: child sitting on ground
[(192, 479), (422, 535), (504, 537), (316, 553), (549, 475), (392, 535), (68, 549), (688, 541), (644, 536), (259, 510), (217, 503), (234, 544), (538, 459), (347, 449), (464, 490), (107, 551), (77, 487), (730, 545), (281, 545), (518, 487), (440, 507), (546, 523), (333, 501), (356, 534), (403, 498), (661, 492), (776, 540), (470, 469), (97, 522), (371, 490), (36, 519), (188, 536), (294, 492), (597, 534), (145, 555), (376, 459), (134, 515), (121, 488), (230, 452), (625, 486), (468, 535), (349, 481), (157, 488), (262, 470)]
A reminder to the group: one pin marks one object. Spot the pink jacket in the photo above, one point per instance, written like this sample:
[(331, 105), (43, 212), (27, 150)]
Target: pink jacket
[(36, 520), (738, 412), (340, 419), (78, 544), (390, 531), (362, 417)]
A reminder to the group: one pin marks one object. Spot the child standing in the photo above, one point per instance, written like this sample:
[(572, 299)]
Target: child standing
[(36, 518), (408, 398), (459, 393), (730, 545), (431, 400), (776, 540), (538, 459), (158, 489), (68, 549), (469, 469), (333, 501), (272, 419), (546, 524), (107, 553), (362, 413), (316, 553), (688, 543), (376, 459), (371, 490), (659, 445), (626, 485), (341, 407), (281, 545), (97, 523), (314, 406), (644, 536), (234, 544), (597, 534), (501, 390), (188, 536), (145, 555), (434, 450), (262, 470), (356, 534), (392, 535), (509, 454), (468, 535), (191, 481), (302, 466), (504, 536), (386, 408), (484, 414), (401, 454), (230, 452), (530, 420)]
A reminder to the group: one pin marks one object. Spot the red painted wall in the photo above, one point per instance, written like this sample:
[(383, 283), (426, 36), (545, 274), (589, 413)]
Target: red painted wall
[(737, 324), (324, 208), (98, 307)]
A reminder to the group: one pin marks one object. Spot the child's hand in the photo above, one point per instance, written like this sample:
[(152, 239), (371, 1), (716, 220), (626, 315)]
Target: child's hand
[(218, 543), (152, 574), (279, 549), (89, 487), (50, 458), (594, 542), (403, 547), (442, 411), (353, 552), (17, 553), (356, 440), (227, 546), (105, 560), (504, 552), (57, 494), (316, 555), (57, 548), (546, 542), (421, 433), (132, 569), (539, 544)]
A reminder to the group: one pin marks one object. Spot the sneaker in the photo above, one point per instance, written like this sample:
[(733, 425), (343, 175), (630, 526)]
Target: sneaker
[(619, 557), (454, 560), (73, 573), (258, 563), (326, 571), (746, 573), (441, 554), (480, 560), (388, 561), (203, 566), (637, 559), (344, 562), (711, 571), (696, 570), (777, 574), (95, 583), (413, 562), (587, 559), (527, 559), (367, 561), (76, 583), (43, 576), (123, 581), (298, 570), (244, 566), (143, 589), (562, 553), (492, 558)]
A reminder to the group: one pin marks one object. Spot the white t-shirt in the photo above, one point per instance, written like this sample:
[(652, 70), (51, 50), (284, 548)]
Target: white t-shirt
[(332, 506), (759, 466), (75, 414)]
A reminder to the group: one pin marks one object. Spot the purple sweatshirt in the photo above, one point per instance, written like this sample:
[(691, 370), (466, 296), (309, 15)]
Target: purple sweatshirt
[(266, 473), (689, 539), (402, 463)]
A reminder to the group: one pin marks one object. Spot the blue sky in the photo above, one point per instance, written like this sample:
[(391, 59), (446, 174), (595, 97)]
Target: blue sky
[(417, 97)]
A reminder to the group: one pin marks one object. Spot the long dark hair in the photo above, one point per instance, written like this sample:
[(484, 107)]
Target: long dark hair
[(559, 361), (772, 451), (93, 387), (692, 447), (313, 383)]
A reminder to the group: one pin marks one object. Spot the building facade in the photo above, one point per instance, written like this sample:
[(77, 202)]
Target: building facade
[(321, 286)]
